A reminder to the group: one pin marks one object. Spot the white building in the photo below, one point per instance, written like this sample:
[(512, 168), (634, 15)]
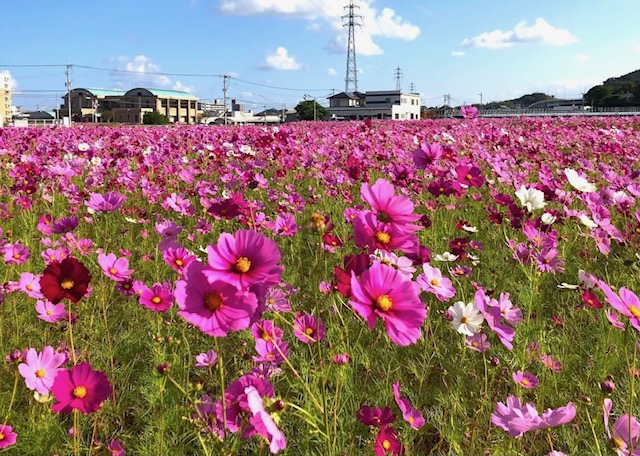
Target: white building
[(380, 104)]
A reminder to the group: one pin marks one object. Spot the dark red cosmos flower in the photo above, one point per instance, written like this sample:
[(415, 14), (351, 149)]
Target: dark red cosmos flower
[(342, 277), (387, 443), (375, 416), (67, 279)]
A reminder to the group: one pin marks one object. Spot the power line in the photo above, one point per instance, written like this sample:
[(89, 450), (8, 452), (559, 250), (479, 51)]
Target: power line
[(155, 73)]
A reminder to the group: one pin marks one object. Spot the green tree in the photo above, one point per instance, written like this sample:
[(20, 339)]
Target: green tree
[(596, 95), (305, 110), (154, 118)]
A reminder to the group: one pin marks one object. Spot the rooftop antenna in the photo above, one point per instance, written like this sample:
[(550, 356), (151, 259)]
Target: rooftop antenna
[(351, 78)]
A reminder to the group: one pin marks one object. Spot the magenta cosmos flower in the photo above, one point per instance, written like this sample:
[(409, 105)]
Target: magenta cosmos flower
[(389, 207), (625, 437), (387, 443), (375, 416), (244, 258), (216, 308), (80, 388), (40, 369), (525, 379), (115, 268), (409, 413), (263, 422), (157, 298), (308, 329), (109, 202), (383, 292), (7, 436)]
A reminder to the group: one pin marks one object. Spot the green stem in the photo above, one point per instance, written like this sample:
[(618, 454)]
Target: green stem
[(222, 384), (593, 431), (13, 396)]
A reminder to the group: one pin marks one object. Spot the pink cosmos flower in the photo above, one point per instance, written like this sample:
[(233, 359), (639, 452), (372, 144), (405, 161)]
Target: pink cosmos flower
[(7, 436), (469, 175), (65, 225), (490, 309), (30, 284), (157, 298), (627, 303), (216, 308), (116, 448), (370, 232), (411, 415), (517, 419), (626, 432), (207, 359), (263, 422), (285, 225), (55, 255), (432, 281), (80, 388), (614, 319), (525, 379), (403, 264), (109, 202), (178, 258), (115, 268), (16, 253), (383, 292), (308, 329), (237, 404), (40, 369), (426, 155), (271, 351), (244, 258), (389, 207), (469, 112), (266, 330), (551, 363), (51, 313), (478, 342)]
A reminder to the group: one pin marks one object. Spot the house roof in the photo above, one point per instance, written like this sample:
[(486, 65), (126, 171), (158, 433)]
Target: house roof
[(351, 95), (163, 93), (105, 92)]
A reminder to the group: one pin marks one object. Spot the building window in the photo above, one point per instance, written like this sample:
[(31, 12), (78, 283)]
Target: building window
[(183, 104), (193, 105), (164, 103), (397, 116), (173, 103)]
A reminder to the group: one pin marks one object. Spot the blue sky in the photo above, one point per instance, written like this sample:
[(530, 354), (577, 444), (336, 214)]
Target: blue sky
[(500, 48)]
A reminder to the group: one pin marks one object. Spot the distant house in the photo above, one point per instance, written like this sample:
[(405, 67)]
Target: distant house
[(381, 104), (87, 105)]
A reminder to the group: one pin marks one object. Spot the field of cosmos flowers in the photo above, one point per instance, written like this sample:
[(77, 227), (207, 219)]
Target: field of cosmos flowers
[(446, 287)]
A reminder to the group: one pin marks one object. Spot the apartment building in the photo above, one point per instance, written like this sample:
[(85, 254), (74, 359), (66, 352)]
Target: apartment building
[(5, 99)]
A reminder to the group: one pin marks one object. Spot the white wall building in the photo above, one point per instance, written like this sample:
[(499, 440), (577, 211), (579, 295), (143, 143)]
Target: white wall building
[(380, 104)]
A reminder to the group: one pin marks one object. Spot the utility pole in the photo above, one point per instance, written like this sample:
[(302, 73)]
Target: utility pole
[(398, 76), (224, 95), (69, 91), (412, 88), (283, 113), (351, 78), (480, 99)]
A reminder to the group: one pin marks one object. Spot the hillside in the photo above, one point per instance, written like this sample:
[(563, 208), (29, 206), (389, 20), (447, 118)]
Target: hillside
[(620, 91)]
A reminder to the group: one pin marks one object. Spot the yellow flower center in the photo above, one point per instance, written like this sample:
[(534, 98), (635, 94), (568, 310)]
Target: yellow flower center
[(386, 444), (384, 303), (524, 382), (308, 331), (1, 436), (383, 238), (243, 264), (435, 282), (16, 255), (213, 301), (156, 300), (66, 284), (265, 336), (463, 320), (469, 176), (617, 443), (49, 312), (29, 287), (113, 270), (40, 373), (475, 344), (411, 419), (634, 311), (79, 392), (179, 262)]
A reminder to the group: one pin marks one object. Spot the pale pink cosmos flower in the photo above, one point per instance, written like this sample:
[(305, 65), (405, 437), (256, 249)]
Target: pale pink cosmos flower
[(625, 436), (207, 359), (614, 319), (478, 342), (517, 419), (40, 369), (16, 253), (115, 268), (403, 264), (432, 281)]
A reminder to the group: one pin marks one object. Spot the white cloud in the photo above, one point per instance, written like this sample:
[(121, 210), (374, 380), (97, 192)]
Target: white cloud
[(332, 71), (541, 32), (384, 23), (457, 53), (280, 60), (581, 57), (636, 47), (13, 84), (142, 71)]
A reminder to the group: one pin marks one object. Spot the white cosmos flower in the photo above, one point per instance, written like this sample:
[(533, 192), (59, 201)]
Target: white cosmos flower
[(567, 286), (466, 318), (470, 229), (446, 256), (531, 198), (586, 221), (83, 146), (547, 218), (578, 182)]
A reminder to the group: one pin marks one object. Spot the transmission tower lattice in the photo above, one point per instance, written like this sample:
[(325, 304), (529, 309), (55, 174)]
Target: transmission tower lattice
[(351, 78), (398, 76)]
